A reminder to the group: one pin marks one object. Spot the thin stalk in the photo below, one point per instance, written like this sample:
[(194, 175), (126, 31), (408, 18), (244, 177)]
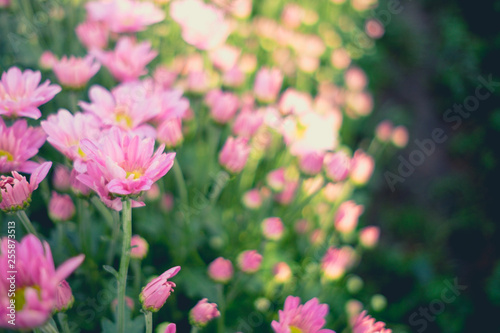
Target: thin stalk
[(136, 267), (222, 308), (114, 235), (194, 329), (124, 263), (181, 183), (63, 321), (148, 315), (21, 214), (83, 223)]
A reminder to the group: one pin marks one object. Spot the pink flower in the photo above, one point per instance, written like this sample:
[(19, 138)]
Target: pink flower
[(249, 261), (75, 72), (346, 218), (36, 282), (156, 292), (4, 3), (337, 166), (223, 105), (171, 328), (383, 131), (248, 122), (93, 34), (47, 60), (336, 261), (220, 270), (282, 272), (124, 16), (286, 196), (18, 144), (61, 178), (16, 191), (66, 131), (234, 154), (399, 136), (203, 25), (170, 133), (172, 105), (252, 199), (61, 207), (128, 60), (355, 79), (361, 168), (20, 94), (123, 165), (139, 247), (165, 77), (233, 77), (311, 163), (368, 236), (203, 312), (128, 106), (64, 296), (225, 57), (364, 323), (267, 84), (272, 228), (276, 179), (295, 102), (307, 318)]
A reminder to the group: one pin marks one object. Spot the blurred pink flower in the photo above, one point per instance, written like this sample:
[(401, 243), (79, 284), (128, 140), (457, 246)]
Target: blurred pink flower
[(282, 272), (267, 84), (127, 62), (66, 131), (295, 102), (307, 318), (93, 34), (64, 296), (252, 199), (368, 236), (20, 94), (61, 178), (124, 16), (383, 131), (156, 292), (234, 154), (139, 247), (169, 132), (4, 3), (203, 25), (223, 105), (19, 143), (311, 163), (272, 228), (374, 28), (364, 323), (276, 179), (47, 60), (233, 77), (355, 79), (164, 77), (248, 122), (225, 57), (171, 328), (15, 191), (336, 261), (221, 270), (203, 312), (36, 282), (75, 72), (337, 165), (286, 196), (400, 136), (361, 168), (249, 261), (120, 164), (347, 215), (61, 207)]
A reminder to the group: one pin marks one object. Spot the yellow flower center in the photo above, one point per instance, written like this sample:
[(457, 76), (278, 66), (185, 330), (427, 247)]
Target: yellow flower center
[(3, 153), (122, 118), (135, 173), (294, 329), (19, 297), (81, 153), (300, 130)]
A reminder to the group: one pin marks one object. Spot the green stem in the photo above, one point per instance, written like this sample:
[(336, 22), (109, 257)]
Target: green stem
[(49, 327), (222, 309), (63, 321), (124, 263), (114, 236), (194, 329), (148, 315), (21, 214), (136, 267), (83, 223), (181, 183)]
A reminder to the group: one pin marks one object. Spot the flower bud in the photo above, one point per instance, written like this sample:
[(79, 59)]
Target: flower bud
[(203, 312), (249, 261), (156, 292), (170, 132), (400, 136), (64, 296), (272, 228), (282, 272), (252, 199), (221, 270), (368, 236), (233, 156), (361, 168), (61, 178), (61, 207), (139, 247)]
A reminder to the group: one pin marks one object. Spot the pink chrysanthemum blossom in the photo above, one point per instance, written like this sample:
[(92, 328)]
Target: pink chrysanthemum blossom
[(364, 323), (128, 60), (74, 72), (336, 261), (267, 84), (156, 292), (18, 144), (125, 16), (123, 165), (203, 25), (15, 191), (93, 35), (128, 106), (36, 282), (20, 94), (234, 154), (65, 132), (298, 318)]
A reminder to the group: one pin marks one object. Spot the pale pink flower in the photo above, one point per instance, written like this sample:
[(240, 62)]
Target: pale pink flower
[(248, 122), (128, 106), (364, 323), (311, 163), (282, 272), (252, 199), (361, 168), (272, 228), (164, 77), (355, 79), (198, 81), (295, 102), (223, 105), (203, 25), (47, 60), (374, 28), (123, 165), (292, 15), (203, 312), (234, 77), (234, 154), (225, 57), (15, 191), (127, 62), (384, 130), (170, 133), (20, 94), (337, 165), (156, 292), (359, 104), (66, 131), (399, 136), (4, 3), (286, 196), (307, 318), (267, 84), (124, 16), (346, 217), (77, 186), (61, 178), (249, 261), (368, 236), (336, 261), (276, 179), (64, 296), (61, 207), (139, 247), (93, 34), (75, 72), (36, 282), (340, 58), (171, 328), (221, 270), (18, 144)]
